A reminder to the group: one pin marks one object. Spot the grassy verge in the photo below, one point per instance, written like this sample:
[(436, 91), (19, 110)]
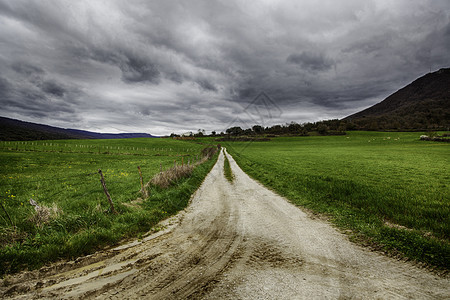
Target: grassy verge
[(390, 189), (227, 170), (66, 182)]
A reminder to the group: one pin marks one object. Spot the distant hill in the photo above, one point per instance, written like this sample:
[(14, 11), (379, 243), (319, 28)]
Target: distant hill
[(422, 105), (15, 130)]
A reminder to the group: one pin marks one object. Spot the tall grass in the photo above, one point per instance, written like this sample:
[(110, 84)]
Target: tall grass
[(390, 188), (166, 178)]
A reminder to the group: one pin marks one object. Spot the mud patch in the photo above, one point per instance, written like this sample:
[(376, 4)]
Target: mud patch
[(271, 255)]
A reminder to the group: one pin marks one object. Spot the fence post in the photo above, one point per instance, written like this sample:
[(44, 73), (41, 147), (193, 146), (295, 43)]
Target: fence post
[(102, 180), (160, 167), (143, 191)]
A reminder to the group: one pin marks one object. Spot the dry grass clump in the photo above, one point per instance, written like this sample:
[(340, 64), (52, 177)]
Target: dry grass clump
[(166, 178), (44, 214), (209, 152)]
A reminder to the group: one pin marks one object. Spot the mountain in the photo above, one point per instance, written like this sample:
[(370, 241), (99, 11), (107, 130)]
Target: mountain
[(423, 104), (15, 130)]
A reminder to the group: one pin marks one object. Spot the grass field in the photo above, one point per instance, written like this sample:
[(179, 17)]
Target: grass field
[(63, 176), (391, 189)]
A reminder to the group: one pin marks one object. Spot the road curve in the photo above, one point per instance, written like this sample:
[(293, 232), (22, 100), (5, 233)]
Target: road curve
[(235, 241)]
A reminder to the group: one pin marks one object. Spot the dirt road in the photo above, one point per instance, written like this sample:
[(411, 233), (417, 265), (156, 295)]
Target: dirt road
[(235, 241)]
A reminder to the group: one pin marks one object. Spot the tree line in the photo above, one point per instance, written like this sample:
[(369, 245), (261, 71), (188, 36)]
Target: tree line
[(335, 127)]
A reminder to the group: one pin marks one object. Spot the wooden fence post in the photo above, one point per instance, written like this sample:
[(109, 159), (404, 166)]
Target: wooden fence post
[(102, 180), (143, 191), (141, 179)]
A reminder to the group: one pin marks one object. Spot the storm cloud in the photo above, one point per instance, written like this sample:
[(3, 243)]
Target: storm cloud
[(175, 66), (311, 61)]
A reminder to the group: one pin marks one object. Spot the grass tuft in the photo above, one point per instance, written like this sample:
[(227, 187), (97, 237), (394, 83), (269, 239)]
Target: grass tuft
[(227, 170), (44, 214)]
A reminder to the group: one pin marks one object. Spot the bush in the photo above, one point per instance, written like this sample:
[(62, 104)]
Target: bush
[(322, 129), (209, 152)]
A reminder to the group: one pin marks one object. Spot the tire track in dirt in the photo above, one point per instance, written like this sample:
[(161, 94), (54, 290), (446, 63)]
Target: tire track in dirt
[(235, 241)]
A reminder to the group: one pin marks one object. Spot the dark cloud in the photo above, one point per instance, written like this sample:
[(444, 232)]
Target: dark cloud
[(38, 97), (246, 93), (206, 85), (53, 88), (27, 69), (133, 68), (4, 88), (177, 66), (138, 70), (311, 61)]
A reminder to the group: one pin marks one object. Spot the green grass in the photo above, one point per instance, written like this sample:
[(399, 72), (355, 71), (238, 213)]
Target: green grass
[(65, 174), (390, 189), (227, 170)]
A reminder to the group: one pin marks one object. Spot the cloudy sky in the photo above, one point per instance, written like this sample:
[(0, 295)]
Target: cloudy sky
[(173, 66)]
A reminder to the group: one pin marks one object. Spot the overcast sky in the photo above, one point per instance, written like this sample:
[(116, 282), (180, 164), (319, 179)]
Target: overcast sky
[(176, 66)]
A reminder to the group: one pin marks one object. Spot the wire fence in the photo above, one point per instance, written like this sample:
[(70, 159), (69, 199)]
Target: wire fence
[(91, 149), (50, 180), (57, 186)]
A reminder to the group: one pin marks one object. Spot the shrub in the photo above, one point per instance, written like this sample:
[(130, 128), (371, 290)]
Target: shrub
[(209, 152)]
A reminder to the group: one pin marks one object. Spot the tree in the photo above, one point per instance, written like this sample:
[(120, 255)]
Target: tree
[(200, 132), (322, 129), (276, 129), (294, 127), (258, 129), (234, 130)]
